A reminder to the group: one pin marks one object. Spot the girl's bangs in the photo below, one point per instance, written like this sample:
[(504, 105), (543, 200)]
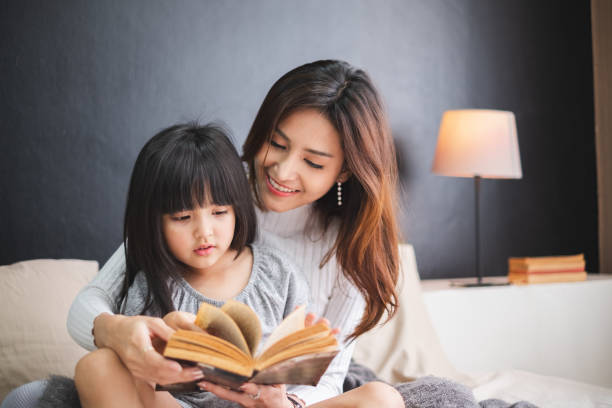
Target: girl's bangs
[(193, 180)]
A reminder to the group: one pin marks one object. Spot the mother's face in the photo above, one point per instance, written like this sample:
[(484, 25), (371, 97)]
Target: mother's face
[(302, 161)]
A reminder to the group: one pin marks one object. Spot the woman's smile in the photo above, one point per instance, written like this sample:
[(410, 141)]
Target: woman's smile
[(277, 188)]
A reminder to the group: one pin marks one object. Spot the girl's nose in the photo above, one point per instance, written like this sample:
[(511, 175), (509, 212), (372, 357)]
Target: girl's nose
[(204, 229)]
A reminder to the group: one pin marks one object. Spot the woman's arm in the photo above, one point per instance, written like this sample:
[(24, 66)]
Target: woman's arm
[(344, 311), (131, 337), (96, 298), (345, 307)]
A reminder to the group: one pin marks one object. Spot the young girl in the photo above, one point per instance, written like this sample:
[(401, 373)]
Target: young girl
[(188, 234)]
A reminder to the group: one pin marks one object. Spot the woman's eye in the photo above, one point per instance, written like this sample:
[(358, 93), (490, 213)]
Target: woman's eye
[(219, 212), (277, 145), (313, 165)]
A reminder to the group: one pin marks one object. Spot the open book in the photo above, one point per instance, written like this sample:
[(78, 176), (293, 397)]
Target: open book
[(228, 352)]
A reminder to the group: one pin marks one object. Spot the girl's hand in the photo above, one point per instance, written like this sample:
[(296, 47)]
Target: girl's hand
[(133, 339), (252, 395), (182, 320)]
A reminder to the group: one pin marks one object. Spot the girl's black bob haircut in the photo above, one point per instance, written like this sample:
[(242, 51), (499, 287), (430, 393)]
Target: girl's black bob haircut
[(180, 168)]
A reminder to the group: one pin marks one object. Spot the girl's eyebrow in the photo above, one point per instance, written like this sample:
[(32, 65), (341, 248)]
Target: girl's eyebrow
[(313, 151)]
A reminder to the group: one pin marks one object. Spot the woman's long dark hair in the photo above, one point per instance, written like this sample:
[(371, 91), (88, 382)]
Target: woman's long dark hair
[(181, 167), (367, 244)]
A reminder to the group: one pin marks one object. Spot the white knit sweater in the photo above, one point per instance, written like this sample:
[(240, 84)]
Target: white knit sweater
[(332, 296)]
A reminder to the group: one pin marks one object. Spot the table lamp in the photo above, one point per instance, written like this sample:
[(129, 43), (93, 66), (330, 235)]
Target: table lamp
[(478, 143)]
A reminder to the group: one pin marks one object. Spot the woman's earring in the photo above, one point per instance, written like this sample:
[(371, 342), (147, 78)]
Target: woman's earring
[(339, 186)]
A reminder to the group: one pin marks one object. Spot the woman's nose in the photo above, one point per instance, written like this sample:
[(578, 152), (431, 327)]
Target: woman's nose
[(286, 167)]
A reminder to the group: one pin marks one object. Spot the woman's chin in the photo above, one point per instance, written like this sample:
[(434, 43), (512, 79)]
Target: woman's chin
[(279, 204)]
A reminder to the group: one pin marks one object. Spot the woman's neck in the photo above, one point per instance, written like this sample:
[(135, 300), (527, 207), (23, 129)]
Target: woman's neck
[(287, 223), (227, 278)]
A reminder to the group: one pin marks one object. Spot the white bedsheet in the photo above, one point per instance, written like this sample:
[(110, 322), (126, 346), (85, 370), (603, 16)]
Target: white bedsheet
[(543, 391)]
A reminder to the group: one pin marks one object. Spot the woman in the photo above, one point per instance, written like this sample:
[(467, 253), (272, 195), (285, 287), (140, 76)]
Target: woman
[(322, 169)]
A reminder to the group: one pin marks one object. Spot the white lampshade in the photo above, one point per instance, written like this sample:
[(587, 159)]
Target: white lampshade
[(478, 142)]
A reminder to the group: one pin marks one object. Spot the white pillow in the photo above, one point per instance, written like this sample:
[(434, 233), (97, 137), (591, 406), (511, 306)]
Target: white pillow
[(34, 300), (406, 347)]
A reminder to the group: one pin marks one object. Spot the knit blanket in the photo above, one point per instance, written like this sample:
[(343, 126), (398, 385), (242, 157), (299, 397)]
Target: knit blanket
[(424, 392)]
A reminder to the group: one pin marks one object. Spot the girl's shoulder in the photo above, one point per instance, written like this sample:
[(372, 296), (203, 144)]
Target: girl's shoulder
[(136, 296), (273, 262), (264, 253), (276, 278)]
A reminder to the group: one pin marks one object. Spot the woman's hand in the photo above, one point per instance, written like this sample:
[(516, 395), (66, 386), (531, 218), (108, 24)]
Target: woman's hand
[(182, 320), (311, 319), (252, 395), (136, 340)]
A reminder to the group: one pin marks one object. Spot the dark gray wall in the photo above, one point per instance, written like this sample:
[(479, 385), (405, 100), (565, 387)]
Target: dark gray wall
[(84, 84)]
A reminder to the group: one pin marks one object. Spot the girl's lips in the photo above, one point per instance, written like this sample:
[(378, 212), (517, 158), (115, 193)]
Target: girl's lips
[(277, 192), (204, 250)]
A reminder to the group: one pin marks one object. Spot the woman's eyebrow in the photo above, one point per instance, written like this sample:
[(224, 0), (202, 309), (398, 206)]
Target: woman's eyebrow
[(313, 151)]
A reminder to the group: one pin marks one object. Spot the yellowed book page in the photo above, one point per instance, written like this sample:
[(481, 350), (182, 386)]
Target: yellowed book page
[(184, 338), (180, 346), (308, 333), (557, 277), (523, 278), (542, 267), (292, 323), (218, 323), (218, 361), (325, 344), (247, 320)]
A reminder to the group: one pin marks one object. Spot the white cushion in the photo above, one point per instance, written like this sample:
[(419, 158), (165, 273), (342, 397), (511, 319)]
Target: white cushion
[(34, 300), (407, 346)]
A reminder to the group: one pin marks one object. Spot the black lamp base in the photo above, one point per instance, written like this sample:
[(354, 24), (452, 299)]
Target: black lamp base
[(478, 284)]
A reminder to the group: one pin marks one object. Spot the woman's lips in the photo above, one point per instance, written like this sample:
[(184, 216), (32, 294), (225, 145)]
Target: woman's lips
[(275, 187)]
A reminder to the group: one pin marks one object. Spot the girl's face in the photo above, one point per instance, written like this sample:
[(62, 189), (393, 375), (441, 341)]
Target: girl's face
[(201, 238), (302, 161)]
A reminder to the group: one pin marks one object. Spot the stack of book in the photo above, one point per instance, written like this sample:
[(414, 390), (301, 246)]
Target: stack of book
[(543, 269)]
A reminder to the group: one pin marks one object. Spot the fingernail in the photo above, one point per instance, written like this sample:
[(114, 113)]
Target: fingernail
[(202, 385), (197, 374)]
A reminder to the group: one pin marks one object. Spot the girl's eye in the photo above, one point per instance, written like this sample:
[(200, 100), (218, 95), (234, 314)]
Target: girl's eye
[(219, 212), (180, 217), (277, 145), (313, 165)]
